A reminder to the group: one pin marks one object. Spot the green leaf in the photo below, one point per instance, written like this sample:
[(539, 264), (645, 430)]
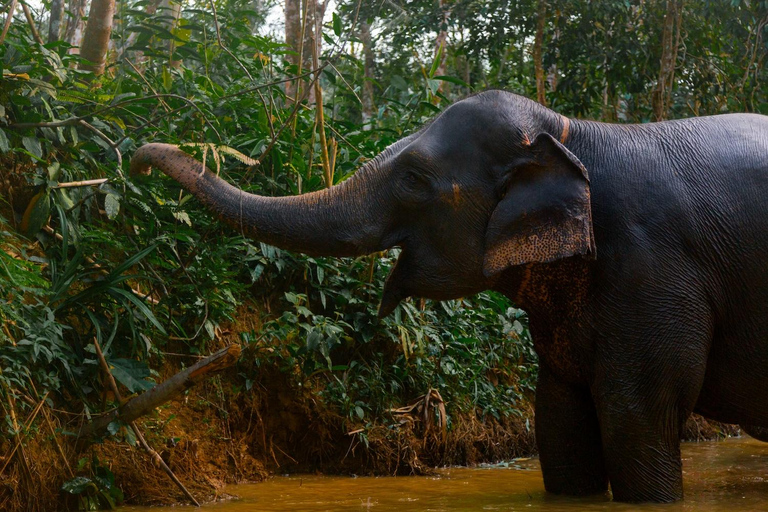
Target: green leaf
[(5, 146), (130, 436), (61, 197), (433, 85), (139, 303), (131, 373), (336, 24), (114, 427), (32, 144), (53, 171), (453, 80), (436, 62), (36, 214), (167, 78), (78, 485), (112, 206)]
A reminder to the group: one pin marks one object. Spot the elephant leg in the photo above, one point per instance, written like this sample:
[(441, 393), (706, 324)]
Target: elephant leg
[(642, 401), (568, 437)]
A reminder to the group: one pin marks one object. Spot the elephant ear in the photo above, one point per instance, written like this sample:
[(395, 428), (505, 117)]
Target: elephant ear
[(545, 213)]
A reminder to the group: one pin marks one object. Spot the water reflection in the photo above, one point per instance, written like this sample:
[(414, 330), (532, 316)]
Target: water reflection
[(727, 476)]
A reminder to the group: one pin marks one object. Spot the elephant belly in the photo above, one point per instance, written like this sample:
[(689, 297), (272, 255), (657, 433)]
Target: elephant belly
[(735, 387)]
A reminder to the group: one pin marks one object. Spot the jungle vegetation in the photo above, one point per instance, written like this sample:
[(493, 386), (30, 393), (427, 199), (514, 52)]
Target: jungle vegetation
[(282, 98)]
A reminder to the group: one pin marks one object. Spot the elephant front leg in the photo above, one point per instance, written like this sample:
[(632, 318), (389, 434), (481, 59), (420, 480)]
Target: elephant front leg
[(641, 443), (568, 437)]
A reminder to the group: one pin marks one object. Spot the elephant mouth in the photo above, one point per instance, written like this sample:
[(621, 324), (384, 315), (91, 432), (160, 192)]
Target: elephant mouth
[(395, 288)]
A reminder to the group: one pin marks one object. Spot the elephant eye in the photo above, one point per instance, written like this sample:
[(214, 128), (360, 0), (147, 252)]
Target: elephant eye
[(415, 185), (413, 178)]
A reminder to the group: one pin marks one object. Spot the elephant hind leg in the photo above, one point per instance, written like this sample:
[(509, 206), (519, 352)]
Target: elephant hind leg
[(759, 433)]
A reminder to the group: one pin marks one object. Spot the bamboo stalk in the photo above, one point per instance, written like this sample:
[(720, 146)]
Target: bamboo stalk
[(31, 23), (8, 20), (152, 453), (26, 426), (327, 170), (84, 183), (47, 417)]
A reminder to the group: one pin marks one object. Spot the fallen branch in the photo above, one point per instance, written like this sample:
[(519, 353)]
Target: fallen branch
[(156, 459), (161, 393)]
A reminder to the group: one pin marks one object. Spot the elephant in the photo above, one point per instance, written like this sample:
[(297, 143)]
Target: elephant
[(638, 252)]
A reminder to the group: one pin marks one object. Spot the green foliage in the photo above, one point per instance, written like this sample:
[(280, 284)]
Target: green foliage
[(95, 492), (461, 348), (142, 267)]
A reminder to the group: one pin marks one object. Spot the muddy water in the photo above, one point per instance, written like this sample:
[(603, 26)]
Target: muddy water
[(727, 476)]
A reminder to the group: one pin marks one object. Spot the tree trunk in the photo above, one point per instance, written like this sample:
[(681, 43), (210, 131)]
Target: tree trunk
[(303, 36), (538, 42), (54, 24), (138, 57), (293, 41), (661, 97), (441, 42), (170, 10), (74, 32), (256, 20), (96, 37), (314, 11), (368, 70)]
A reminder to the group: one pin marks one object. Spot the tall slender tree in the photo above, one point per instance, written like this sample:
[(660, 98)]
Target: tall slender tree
[(74, 32), (55, 21), (670, 42), (538, 42), (96, 37)]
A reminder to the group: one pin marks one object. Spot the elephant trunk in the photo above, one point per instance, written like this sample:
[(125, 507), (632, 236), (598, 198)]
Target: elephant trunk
[(339, 221)]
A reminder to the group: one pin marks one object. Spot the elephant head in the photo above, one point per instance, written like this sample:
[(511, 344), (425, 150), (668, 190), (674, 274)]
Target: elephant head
[(483, 187)]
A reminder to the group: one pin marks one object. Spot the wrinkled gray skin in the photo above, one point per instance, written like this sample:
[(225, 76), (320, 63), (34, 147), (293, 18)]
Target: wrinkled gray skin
[(643, 271)]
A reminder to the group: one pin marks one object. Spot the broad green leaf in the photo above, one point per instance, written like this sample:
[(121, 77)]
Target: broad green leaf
[(37, 213), (140, 305), (131, 373), (336, 24), (78, 485), (436, 62), (453, 80), (112, 206), (114, 427), (4, 144), (32, 144), (433, 85)]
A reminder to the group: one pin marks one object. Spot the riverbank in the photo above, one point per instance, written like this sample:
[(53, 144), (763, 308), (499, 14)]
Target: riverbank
[(217, 435)]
